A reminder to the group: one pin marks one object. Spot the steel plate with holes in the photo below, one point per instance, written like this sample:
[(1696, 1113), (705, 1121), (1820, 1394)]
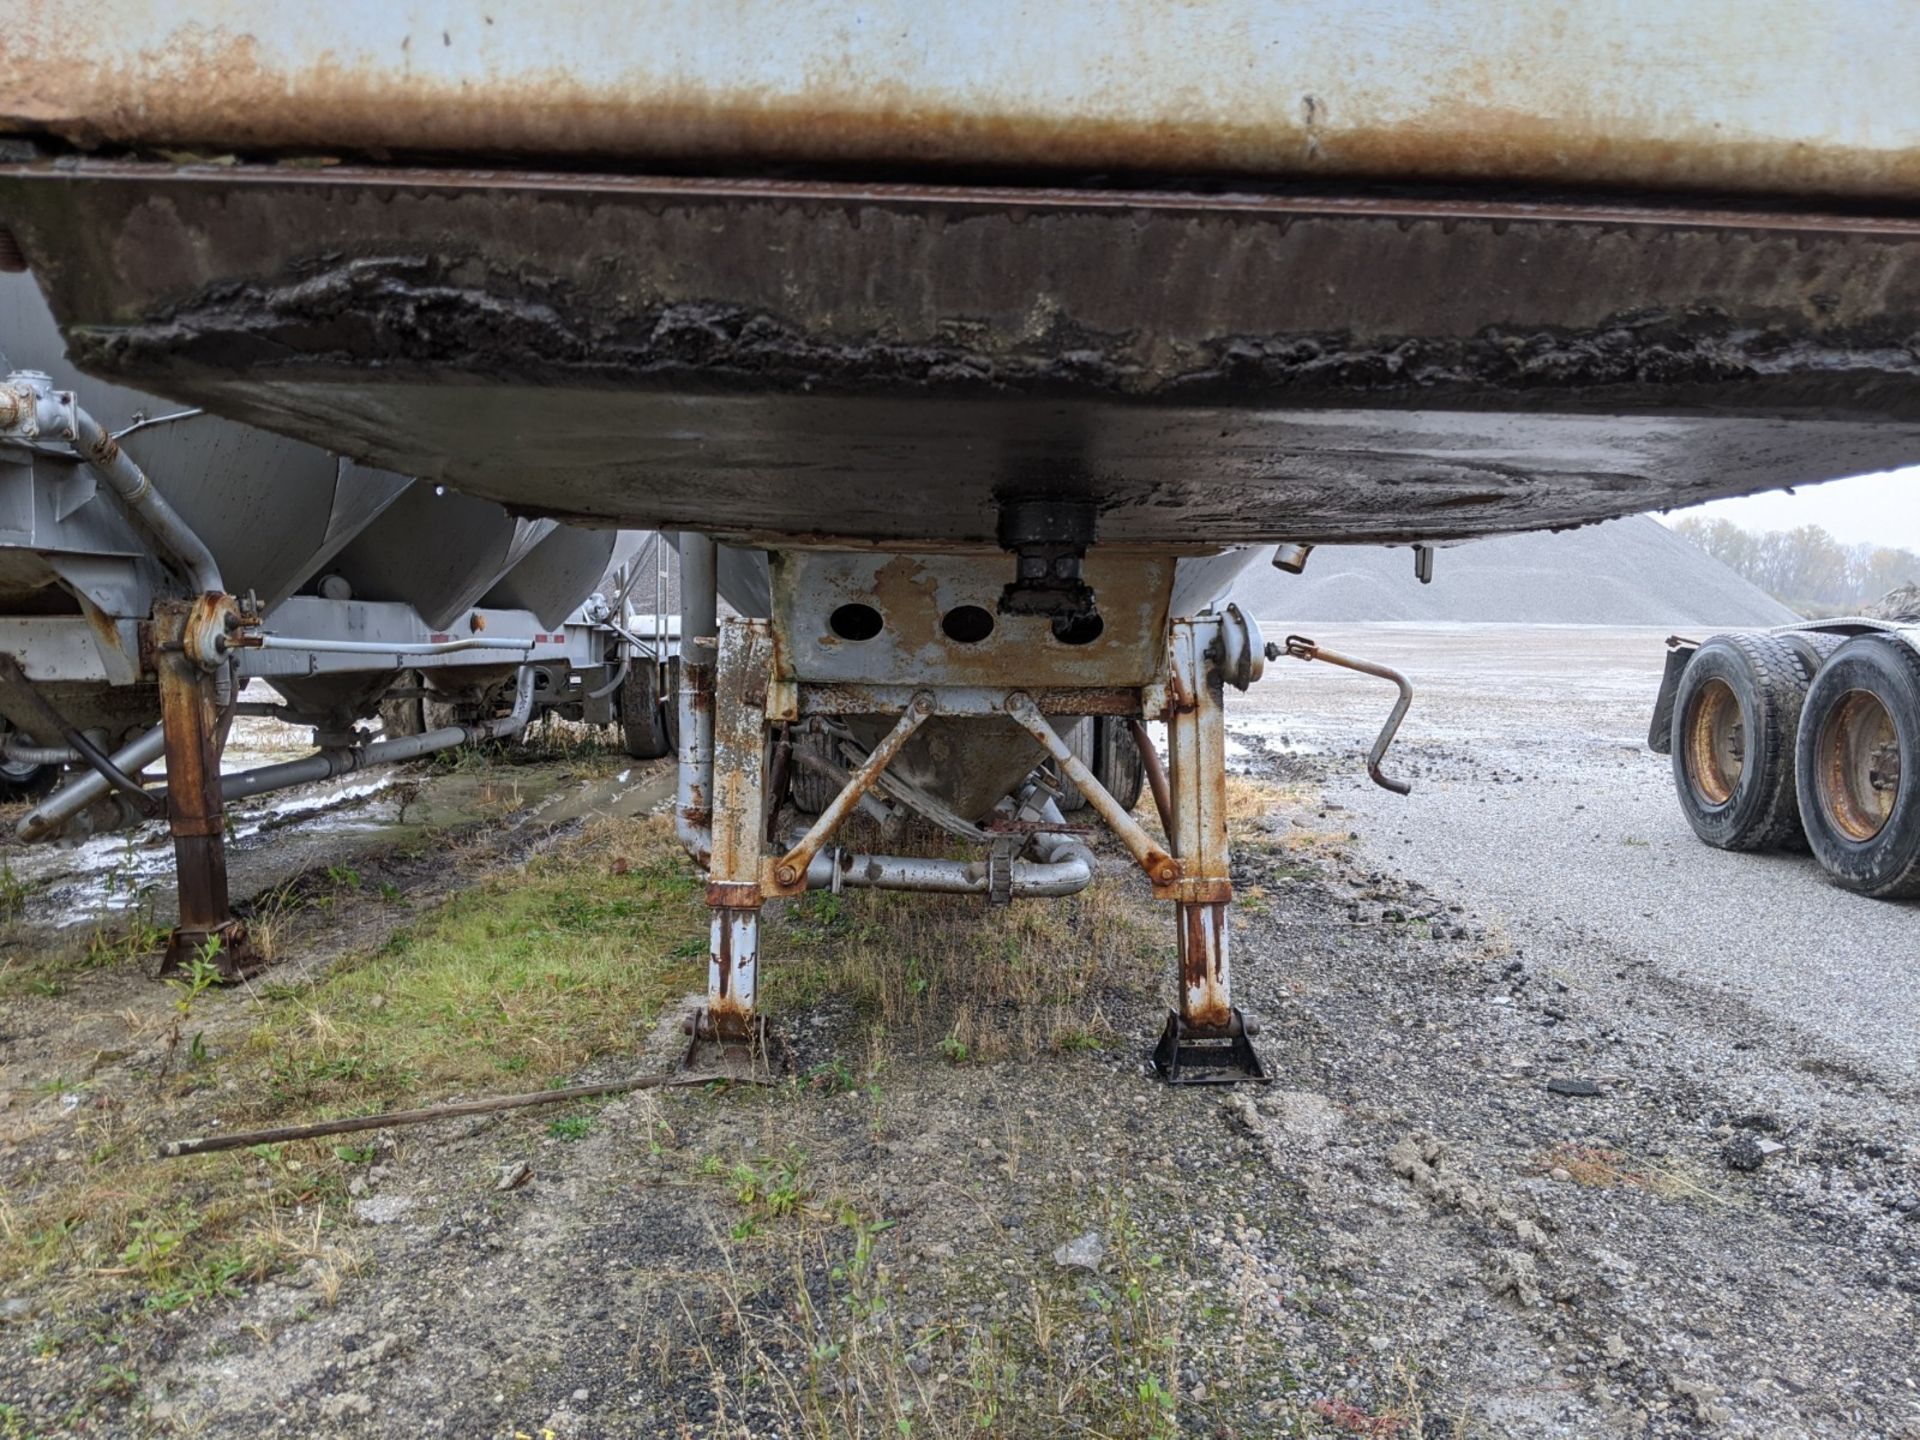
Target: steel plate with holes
[(849, 617)]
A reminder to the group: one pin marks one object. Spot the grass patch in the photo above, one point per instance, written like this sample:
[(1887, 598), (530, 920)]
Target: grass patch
[(532, 973), (946, 976)]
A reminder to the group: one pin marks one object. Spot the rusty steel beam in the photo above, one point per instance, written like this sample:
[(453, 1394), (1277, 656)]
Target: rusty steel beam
[(1196, 741), (741, 679), (1214, 369), (196, 811)]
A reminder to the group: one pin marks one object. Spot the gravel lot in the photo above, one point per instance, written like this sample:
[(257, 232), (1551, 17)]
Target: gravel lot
[(1536, 1163), (1535, 796)]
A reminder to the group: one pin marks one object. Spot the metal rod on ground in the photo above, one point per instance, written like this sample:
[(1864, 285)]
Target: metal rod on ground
[(240, 1140)]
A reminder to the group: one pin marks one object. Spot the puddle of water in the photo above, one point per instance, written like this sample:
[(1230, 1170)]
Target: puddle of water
[(273, 838)]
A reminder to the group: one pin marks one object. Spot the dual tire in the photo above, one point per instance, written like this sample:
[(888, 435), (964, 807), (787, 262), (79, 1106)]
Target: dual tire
[(1805, 741)]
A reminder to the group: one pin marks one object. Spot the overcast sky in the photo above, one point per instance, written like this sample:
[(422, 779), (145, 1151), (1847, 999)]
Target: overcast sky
[(1881, 509)]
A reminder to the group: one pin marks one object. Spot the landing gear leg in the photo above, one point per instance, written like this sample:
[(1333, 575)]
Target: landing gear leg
[(196, 812), (727, 1033), (1207, 1040)]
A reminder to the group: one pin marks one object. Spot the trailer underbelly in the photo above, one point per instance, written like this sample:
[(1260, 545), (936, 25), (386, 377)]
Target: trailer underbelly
[(885, 364)]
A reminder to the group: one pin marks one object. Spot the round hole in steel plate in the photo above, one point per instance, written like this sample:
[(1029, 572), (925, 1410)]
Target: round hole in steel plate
[(856, 622)]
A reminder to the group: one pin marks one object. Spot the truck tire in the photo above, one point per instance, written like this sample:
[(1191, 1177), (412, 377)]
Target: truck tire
[(808, 788), (1735, 714), (670, 704), (1079, 736), (643, 732), (1858, 767), (1116, 760), (20, 780)]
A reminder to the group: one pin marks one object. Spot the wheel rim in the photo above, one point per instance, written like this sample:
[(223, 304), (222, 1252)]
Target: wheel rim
[(1716, 743), (19, 772), (1858, 764)]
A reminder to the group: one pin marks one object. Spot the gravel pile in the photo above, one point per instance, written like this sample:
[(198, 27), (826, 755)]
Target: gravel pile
[(1900, 604), (1625, 572)]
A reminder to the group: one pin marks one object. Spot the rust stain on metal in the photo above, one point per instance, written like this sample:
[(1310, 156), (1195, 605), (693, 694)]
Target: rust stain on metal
[(195, 807), (1202, 935), (1558, 94), (733, 894)]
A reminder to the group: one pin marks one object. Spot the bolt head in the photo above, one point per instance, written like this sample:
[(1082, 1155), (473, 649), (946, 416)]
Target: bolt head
[(786, 875), (1166, 874)]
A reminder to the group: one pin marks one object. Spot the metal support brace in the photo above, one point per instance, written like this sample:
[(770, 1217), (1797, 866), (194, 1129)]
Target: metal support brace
[(789, 873), (1162, 869), (741, 678), (1206, 1038), (196, 812)]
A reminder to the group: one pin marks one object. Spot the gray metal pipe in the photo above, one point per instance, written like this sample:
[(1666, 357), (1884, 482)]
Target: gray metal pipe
[(147, 505), (1064, 867), (31, 408), (24, 752), (699, 651), (328, 763), (57, 809), (81, 791), (405, 647)]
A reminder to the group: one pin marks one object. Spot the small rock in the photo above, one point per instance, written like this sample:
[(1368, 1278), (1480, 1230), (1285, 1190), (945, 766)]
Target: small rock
[(381, 1209), (580, 1396), (1515, 1274), (15, 1307), (1083, 1252), (336, 1407), (513, 1176), (1199, 1392), (1746, 1152), (1572, 1085), (357, 1186), (1560, 1173)]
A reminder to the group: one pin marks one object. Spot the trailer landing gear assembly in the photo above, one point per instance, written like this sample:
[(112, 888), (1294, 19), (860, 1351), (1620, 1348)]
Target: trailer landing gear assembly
[(945, 699)]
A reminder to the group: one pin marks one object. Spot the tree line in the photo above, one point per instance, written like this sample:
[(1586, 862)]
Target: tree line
[(1806, 567)]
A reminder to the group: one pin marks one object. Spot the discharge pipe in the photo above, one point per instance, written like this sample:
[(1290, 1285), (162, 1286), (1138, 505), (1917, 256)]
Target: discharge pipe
[(77, 794), (1062, 865), (47, 818), (328, 763)]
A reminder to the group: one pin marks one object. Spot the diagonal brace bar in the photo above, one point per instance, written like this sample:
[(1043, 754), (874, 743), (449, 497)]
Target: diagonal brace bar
[(790, 871), (1161, 868)]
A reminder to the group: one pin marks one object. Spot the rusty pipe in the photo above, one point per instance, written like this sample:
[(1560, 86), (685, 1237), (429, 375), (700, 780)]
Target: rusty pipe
[(1301, 648), (1156, 777)]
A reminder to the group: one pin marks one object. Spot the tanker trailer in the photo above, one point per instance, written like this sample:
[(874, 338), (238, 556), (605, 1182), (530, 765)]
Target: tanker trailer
[(987, 324), (354, 578)]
